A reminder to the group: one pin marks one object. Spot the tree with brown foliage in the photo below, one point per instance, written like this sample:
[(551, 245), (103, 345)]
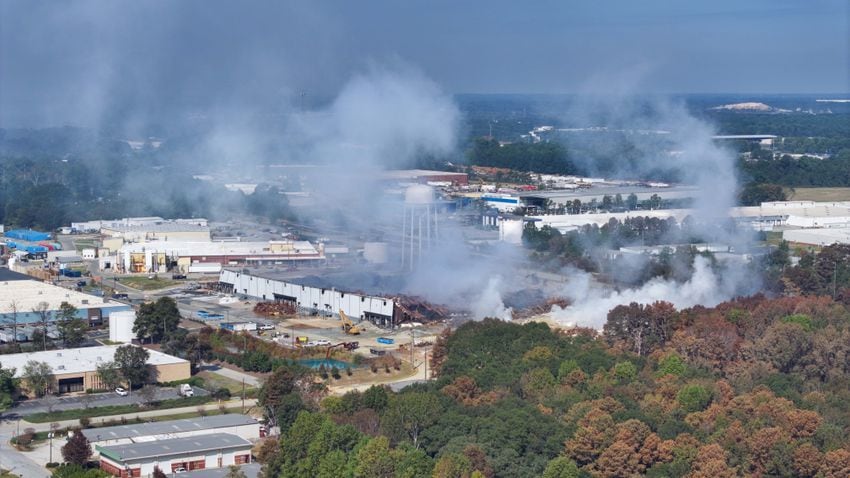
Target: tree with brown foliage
[(440, 351), (596, 431), (807, 460), (77, 450), (635, 448), (836, 464), (711, 463)]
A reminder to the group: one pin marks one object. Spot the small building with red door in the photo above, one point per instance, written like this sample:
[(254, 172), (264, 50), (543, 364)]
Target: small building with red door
[(215, 450)]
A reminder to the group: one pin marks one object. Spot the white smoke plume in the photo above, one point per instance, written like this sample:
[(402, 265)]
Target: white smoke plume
[(591, 302)]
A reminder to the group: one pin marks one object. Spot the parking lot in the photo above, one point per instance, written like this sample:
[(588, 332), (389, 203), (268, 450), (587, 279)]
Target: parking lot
[(92, 400)]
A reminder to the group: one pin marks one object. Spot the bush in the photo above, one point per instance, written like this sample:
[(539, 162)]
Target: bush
[(221, 394), (52, 464), (85, 422), (335, 373)]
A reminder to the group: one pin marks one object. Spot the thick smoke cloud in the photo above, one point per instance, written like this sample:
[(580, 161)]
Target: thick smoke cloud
[(661, 137), (591, 302)]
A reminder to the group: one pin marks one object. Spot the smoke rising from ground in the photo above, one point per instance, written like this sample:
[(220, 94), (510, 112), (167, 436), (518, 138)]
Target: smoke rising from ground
[(661, 138), (591, 302)]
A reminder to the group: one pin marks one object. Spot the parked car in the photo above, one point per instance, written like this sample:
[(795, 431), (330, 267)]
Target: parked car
[(266, 326), (322, 342), (121, 391), (178, 276)]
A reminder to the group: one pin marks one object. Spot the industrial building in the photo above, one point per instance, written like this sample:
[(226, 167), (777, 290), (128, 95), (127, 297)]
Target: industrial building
[(541, 199), (326, 301), (216, 450), (97, 226), (242, 426), (160, 231), (206, 257), (75, 370), (818, 237), (423, 176), (21, 297)]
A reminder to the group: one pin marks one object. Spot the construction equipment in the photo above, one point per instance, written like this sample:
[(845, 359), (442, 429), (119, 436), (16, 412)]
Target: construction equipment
[(347, 325)]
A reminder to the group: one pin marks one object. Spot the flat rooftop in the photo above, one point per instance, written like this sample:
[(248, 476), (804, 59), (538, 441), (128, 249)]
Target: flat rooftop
[(251, 470), (28, 294), (606, 190), (79, 360), (167, 427), (417, 173), (157, 227), (220, 248), (173, 446)]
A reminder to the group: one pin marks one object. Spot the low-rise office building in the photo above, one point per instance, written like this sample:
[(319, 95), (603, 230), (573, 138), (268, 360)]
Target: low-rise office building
[(242, 426), (215, 450), (75, 370)]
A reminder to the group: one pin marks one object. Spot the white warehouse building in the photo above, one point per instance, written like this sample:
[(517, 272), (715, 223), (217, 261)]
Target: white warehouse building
[(378, 310)]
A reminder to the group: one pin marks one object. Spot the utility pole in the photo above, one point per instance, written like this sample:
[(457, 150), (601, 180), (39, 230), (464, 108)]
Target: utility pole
[(412, 344)]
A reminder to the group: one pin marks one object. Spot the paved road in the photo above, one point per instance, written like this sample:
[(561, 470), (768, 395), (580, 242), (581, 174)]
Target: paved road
[(92, 400), (13, 460), (250, 380)]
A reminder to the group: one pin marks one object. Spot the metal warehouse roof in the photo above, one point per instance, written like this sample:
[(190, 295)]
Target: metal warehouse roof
[(174, 446), (251, 470), (28, 294), (79, 360), (167, 427)]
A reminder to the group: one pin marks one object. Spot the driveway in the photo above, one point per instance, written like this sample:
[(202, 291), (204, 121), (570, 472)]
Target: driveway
[(92, 400)]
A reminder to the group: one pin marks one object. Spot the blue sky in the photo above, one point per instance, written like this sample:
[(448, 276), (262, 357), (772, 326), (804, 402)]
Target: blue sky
[(58, 59)]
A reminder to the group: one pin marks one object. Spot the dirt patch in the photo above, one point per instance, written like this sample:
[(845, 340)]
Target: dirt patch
[(818, 194)]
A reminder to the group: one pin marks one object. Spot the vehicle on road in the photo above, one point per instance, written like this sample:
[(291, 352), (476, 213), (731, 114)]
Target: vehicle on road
[(266, 326), (377, 352), (121, 391), (384, 340)]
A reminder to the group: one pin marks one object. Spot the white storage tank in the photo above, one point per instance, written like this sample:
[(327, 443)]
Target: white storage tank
[(121, 326), (375, 252)]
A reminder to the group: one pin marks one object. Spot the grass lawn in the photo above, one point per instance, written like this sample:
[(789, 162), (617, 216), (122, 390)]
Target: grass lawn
[(78, 413), (143, 283), (818, 194), (7, 474), (214, 381)]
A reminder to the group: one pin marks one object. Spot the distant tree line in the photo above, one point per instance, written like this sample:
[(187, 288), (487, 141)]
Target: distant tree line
[(803, 172)]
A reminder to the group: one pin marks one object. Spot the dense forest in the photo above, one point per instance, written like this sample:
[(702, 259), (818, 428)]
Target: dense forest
[(752, 387)]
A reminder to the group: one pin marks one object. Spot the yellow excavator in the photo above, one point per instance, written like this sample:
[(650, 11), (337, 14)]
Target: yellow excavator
[(347, 325)]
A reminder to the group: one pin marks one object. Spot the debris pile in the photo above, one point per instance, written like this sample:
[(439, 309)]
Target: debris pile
[(417, 309), (541, 308), (274, 309)]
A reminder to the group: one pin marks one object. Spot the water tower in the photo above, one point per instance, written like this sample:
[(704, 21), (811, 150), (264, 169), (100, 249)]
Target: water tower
[(419, 225)]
